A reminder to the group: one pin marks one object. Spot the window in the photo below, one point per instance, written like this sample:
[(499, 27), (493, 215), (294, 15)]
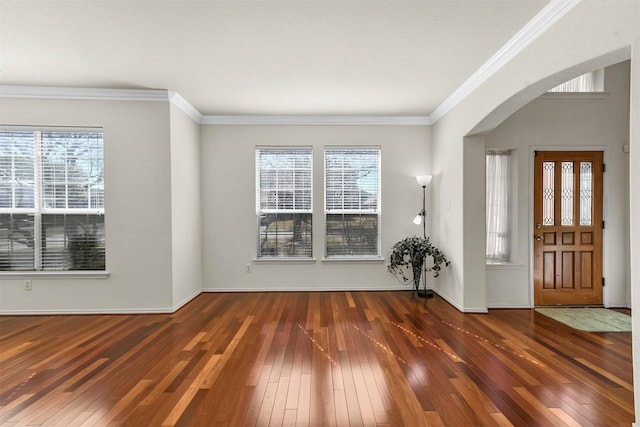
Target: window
[(352, 202), (588, 82), (51, 200), (284, 202), (498, 177)]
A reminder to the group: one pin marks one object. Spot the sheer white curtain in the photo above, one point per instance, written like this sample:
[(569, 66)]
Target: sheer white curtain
[(498, 205), (582, 83)]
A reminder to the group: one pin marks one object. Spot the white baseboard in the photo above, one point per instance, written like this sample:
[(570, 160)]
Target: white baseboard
[(163, 310), (619, 305), (87, 311), (184, 302), (176, 307), (309, 289), (482, 310)]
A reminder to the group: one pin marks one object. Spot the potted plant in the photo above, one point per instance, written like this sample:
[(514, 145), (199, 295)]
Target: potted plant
[(411, 254)]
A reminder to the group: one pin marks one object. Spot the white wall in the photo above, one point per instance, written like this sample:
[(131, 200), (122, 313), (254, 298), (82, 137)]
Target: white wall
[(474, 230), (634, 191), (591, 35), (186, 242), (229, 213), (557, 121), (137, 209)]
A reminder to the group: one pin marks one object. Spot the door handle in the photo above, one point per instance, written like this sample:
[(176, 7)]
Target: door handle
[(538, 225), (538, 237)]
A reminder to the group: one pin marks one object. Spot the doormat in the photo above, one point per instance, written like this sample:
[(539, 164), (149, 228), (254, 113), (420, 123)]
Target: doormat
[(589, 319)]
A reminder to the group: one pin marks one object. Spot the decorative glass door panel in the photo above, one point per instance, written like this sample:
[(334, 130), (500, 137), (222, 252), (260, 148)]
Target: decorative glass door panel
[(548, 195), (586, 192), (567, 193)]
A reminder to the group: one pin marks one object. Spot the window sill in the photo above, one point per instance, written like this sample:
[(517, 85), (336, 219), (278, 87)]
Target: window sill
[(267, 260), (354, 259), (54, 275), (575, 95), (494, 265)]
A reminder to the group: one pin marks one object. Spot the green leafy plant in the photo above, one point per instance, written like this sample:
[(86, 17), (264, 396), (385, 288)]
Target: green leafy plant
[(411, 254)]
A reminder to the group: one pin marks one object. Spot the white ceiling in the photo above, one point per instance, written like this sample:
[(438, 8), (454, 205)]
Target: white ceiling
[(315, 57)]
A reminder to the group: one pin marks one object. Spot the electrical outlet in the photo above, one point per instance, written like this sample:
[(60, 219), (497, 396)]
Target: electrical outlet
[(27, 285), (248, 270)]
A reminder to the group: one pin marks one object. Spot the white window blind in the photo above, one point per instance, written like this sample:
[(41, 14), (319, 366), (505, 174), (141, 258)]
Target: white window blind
[(352, 201), (284, 201), (51, 200), (498, 189)]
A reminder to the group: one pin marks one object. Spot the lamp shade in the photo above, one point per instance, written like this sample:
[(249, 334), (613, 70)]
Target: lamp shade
[(424, 180), (418, 219)]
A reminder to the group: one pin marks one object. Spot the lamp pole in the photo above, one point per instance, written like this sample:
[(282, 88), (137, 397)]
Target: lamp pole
[(424, 293), (424, 212), (423, 181)]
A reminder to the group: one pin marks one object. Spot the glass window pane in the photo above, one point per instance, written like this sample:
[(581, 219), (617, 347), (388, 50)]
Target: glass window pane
[(285, 234), (17, 242), (283, 175), (72, 169), (73, 242), (352, 234), (548, 193), (351, 178), (586, 202), (17, 177), (567, 193)]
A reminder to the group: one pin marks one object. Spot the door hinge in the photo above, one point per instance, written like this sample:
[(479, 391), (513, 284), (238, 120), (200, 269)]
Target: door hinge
[(535, 153), (603, 224), (604, 167), (603, 282)]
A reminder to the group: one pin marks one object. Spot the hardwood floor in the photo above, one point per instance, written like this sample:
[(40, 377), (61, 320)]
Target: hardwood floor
[(324, 358)]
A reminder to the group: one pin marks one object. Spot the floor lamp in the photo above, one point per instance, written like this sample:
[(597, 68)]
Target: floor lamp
[(423, 181)]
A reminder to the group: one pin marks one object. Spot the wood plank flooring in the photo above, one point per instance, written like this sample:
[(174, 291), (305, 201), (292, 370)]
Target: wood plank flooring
[(322, 358)]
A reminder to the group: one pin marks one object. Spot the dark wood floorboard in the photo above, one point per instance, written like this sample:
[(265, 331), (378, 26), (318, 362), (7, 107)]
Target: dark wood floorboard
[(320, 358)]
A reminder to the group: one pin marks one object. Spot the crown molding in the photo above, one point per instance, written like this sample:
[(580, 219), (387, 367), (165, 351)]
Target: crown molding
[(162, 95), (548, 16), (315, 120), (81, 93), (101, 94), (179, 101)]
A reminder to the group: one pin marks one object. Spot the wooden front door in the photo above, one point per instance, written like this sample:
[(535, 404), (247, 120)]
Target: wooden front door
[(568, 228)]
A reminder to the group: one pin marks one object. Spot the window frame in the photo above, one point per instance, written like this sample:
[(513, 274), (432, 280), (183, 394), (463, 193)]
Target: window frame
[(377, 211), (260, 211), (38, 210)]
